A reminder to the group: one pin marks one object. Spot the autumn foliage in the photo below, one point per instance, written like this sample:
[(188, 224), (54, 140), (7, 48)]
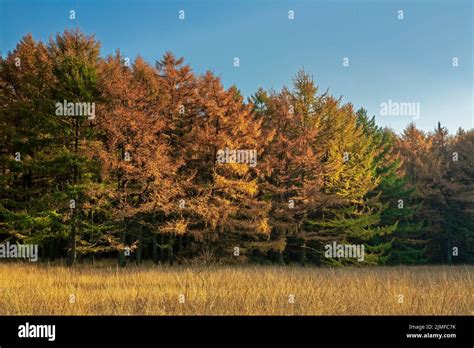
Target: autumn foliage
[(142, 178)]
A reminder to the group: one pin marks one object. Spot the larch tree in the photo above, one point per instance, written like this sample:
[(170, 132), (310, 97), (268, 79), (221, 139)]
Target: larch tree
[(101, 157), (134, 151), (179, 105), (291, 171), (221, 169)]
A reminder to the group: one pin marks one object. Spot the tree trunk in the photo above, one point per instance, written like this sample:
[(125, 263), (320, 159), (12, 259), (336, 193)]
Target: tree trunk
[(72, 242), (280, 258), (449, 244), (303, 254), (121, 254), (51, 250), (92, 236), (71, 255), (170, 251), (155, 249), (162, 250), (180, 248), (139, 256)]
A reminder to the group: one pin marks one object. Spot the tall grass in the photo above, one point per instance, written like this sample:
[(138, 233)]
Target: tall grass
[(38, 289)]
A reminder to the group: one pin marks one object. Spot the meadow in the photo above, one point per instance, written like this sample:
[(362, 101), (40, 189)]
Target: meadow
[(147, 289)]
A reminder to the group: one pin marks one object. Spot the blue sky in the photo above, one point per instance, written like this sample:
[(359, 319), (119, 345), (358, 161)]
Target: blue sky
[(407, 60)]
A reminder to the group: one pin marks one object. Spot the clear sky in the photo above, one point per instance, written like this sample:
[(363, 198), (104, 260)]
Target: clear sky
[(407, 60)]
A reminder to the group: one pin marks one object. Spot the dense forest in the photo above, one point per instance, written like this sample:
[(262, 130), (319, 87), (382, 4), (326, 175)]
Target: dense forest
[(107, 158)]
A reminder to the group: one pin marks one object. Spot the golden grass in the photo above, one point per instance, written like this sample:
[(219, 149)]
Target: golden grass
[(39, 289)]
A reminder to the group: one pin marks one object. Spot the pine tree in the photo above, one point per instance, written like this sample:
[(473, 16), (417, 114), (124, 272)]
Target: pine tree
[(75, 58), (399, 205), (175, 161), (448, 184), (35, 170), (461, 185), (352, 215)]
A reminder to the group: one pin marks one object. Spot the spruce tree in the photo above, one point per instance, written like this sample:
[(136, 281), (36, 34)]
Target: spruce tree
[(399, 205)]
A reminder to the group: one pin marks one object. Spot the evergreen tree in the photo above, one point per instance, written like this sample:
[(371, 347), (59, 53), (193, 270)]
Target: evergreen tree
[(399, 205), (175, 161), (31, 194), (350, 176), (75, 58)]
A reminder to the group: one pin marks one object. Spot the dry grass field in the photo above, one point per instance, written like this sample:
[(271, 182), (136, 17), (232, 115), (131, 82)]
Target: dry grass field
[(39, 289)]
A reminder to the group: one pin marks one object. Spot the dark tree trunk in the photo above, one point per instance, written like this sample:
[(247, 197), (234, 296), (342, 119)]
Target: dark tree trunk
[(121, 254), (162, 250), (170, 253), (71, 255), (72, 242), (139, 256), (155, 249), (92, 236), (52, 249), (280, 258), (180, 248), (303, 254)]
